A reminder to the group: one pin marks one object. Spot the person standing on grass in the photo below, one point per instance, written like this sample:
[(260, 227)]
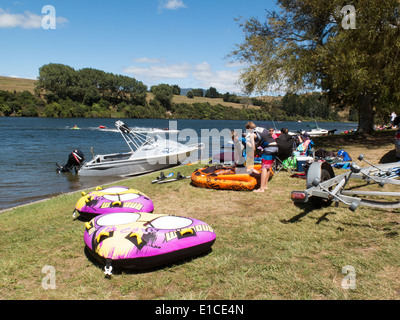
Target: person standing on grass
[(260, 137), (393, 116)]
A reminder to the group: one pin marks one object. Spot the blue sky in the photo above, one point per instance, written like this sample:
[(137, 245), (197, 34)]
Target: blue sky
[(183, 42)]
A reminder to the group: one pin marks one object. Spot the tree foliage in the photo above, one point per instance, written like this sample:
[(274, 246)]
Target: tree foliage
[(163, 93), (88, 86), (94, 93), (305, 46), (198, 92), (312, 106), (19, 104), (212, 93)]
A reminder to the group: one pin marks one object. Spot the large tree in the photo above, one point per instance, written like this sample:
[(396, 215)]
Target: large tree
[(348, 49), (88, 85), (163, 93)]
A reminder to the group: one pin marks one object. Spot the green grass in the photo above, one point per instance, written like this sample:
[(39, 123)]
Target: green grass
[(266, 247)]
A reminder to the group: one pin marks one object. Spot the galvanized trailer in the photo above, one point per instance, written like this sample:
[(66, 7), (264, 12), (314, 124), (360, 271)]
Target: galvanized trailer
[(323, 187)]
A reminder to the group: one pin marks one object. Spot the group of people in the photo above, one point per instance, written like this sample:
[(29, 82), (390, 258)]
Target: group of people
[(270, 146), (393, 123)]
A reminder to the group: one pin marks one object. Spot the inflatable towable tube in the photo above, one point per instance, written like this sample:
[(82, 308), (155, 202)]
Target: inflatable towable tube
[(145, 240), (113, 199), (226, 178)]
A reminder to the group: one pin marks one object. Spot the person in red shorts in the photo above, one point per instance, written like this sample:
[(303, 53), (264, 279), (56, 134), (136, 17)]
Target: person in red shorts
[(260, 137)]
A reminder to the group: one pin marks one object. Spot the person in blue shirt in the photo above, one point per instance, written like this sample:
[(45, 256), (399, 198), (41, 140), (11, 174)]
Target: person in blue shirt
[(260, 137)]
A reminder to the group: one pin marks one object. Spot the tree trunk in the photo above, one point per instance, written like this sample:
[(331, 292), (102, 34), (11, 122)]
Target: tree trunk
[(366, 114)]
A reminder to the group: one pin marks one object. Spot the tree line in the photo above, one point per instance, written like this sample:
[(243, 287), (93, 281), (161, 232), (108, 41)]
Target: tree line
[(87, 86), (62, 91)]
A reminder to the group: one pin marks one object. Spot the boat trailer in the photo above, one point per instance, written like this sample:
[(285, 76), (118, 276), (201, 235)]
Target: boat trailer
[(323, 187)]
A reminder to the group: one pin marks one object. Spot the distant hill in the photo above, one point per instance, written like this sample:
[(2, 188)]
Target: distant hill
[(17, 84), (212, 101)]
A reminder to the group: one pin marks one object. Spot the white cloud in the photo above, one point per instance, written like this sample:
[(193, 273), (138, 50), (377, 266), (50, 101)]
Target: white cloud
[(147, 60), (171, 4), (61, 20), (27, 20), (159, 72), (223, 80), (200, 75)]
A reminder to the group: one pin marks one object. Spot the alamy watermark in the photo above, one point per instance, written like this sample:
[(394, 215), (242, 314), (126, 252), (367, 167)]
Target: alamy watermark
[(49, 21), (213, 140), (349, 19), (49, 281), (349, 281)]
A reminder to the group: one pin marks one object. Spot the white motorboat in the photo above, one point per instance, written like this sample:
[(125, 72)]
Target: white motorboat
[(150, 151), (317, 131)]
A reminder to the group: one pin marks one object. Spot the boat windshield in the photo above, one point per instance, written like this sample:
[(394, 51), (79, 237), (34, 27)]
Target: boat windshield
[(139, 138)]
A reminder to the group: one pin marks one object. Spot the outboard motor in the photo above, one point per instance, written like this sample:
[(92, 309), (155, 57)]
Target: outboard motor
[(75, 161)]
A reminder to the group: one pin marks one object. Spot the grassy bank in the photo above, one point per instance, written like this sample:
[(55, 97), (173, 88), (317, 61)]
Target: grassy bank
[(266, 247), (17, 84)]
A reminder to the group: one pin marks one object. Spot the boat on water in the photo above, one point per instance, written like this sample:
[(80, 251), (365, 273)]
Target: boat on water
[(317, 131), (149, 151)]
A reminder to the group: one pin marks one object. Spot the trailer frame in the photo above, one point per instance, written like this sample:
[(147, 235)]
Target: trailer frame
[(323, 187)]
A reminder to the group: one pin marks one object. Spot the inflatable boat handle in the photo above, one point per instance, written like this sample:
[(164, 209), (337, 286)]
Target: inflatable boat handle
[(103, 233), (116, 203), (186, 231), (89, 199), (138, 237)]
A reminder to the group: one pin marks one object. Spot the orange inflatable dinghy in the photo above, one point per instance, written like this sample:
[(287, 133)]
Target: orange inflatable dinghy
[(226, 178)]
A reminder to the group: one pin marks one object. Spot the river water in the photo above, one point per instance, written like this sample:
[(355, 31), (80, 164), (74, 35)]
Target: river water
[(30, 147)]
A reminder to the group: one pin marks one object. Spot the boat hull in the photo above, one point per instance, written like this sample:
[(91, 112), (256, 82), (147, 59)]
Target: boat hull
[(317, 133), (132, 166), (148, 153)]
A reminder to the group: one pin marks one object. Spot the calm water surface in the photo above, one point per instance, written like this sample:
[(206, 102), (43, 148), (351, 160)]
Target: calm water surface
[(30, 147)]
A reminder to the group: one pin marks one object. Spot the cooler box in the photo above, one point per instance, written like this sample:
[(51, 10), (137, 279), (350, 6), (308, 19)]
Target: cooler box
[(302, 161)]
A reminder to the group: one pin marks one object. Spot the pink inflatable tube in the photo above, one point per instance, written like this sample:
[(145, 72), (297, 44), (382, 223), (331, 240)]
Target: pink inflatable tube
[(145, 240), (111, 200)]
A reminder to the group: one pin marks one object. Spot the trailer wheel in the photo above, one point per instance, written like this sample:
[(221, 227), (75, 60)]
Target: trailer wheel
[(319, 202)]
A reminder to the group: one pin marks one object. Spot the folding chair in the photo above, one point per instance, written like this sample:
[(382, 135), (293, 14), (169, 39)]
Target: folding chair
[(286, 165), (286, 148)]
